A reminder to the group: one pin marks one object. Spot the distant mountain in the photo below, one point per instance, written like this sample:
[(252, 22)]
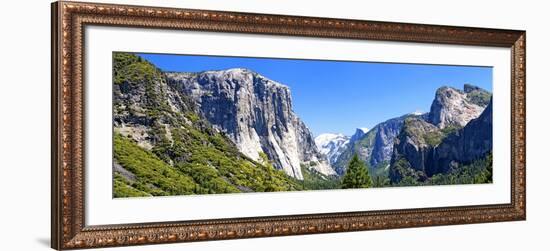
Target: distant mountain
[(374, 146), (413, 145), (331, 145), (457, 133), (451, 108), (256, 114), (359, 133)]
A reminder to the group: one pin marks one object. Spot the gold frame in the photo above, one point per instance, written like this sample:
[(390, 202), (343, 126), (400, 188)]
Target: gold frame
[(68, 228)]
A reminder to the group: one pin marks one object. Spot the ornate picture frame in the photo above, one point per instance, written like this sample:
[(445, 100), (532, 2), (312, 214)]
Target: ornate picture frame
[(69, 230)]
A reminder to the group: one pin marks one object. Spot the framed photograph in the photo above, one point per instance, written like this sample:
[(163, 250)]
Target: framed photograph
[(176, 125)]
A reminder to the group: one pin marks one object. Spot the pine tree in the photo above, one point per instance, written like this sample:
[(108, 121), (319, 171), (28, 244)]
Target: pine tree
[(357, 175)]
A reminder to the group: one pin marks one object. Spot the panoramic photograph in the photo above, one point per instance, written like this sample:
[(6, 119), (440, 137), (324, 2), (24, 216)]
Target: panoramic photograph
[(195, 124)]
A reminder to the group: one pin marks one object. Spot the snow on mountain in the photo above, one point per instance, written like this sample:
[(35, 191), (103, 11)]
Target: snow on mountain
[(331, 144)]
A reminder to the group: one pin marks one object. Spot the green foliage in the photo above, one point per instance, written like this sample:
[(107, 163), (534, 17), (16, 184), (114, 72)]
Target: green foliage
[(449, 130), (133, 75), (420, 132), (216, 152), (204, 168), (208, 179), (132, 69), (193, 117), (433, 138), (123, 188), (357, 175), (478, 172), (314, 180), (408, 181), (402, 173), (380, 174), (217, 166), (153, 176), (479, 97), (381, 181), (408, 122)]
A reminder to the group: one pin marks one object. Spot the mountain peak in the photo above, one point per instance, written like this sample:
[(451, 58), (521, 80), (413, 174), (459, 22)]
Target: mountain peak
[(456, 107), (447, 90), (331, 144), (477, 95), (359, 132), (468, 88), (237, 75), (323, 138)]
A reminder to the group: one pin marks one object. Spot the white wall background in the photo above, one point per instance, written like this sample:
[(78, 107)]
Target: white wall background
[(25, 124)]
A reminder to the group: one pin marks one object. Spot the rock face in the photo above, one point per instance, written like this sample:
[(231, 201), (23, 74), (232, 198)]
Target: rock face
[(414, 145), (386, 133), (374, 147), (423, 150), (472, 142), (331, 145), (453, 107), (163, 145), (359, 133), (135, 97), (256, 114)]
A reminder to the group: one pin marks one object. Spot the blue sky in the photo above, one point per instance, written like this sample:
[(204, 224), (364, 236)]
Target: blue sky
[(337, 96)]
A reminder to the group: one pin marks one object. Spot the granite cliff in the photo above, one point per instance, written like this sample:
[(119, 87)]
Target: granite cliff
[(423, 149), (451, 109), (164, 145), (256, 114)]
